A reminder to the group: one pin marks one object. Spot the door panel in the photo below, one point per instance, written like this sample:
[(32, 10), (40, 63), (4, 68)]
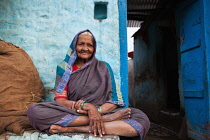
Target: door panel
[(193, 70)]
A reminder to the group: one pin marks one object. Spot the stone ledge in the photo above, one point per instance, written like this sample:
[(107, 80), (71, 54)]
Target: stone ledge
[(35, 135)]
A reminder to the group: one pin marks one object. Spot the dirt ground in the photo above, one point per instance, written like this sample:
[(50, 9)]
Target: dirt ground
[(158, 132)]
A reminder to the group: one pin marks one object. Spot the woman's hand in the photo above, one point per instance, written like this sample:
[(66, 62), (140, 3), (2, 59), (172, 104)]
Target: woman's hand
[(71, 105), (79, 109), (96, 123), (77, 105)]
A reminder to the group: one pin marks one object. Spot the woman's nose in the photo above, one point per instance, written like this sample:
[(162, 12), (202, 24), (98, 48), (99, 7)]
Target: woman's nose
[(85, 47)]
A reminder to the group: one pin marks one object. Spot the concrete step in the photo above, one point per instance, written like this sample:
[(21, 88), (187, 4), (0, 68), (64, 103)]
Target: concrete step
[(35, 135)]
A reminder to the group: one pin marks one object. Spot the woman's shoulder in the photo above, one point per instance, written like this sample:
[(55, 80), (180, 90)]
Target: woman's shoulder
[(103, 64)]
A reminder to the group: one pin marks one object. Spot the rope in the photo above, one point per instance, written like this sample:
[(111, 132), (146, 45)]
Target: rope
[(33, 97)]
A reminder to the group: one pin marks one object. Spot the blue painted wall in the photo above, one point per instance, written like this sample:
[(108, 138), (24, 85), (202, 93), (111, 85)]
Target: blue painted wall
[(45, 29)]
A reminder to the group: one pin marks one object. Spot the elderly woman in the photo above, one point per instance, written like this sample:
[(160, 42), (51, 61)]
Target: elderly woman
[(85, 98)]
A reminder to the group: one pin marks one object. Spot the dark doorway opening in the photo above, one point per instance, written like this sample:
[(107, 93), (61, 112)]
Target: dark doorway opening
[(170, 62), (170, 116)]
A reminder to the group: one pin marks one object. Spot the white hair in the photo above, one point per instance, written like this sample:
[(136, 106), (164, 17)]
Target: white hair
[(86, 33)]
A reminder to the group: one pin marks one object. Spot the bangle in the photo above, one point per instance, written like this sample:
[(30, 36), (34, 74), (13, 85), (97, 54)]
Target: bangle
[(56, 97), (82, 104), (99, 109)]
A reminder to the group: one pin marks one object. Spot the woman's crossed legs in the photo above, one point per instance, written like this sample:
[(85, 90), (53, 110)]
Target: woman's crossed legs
[(112, 123)]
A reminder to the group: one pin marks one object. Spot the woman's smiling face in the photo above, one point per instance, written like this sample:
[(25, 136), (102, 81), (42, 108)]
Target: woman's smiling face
[(84, 47)]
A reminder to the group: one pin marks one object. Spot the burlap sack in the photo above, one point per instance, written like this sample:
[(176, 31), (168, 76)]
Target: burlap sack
[(20, 86)]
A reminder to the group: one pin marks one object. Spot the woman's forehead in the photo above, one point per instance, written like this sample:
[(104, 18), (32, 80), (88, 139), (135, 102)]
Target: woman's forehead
[(83, 37)]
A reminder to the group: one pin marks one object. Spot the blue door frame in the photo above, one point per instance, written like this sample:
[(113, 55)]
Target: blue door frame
[(122, 6)]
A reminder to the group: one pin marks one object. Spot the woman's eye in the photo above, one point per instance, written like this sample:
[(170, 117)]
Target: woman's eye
[(80, 44), (89, 45)]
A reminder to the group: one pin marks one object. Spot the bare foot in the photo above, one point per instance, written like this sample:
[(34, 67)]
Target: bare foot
[(121, 114), (57, 129), (60, 129)]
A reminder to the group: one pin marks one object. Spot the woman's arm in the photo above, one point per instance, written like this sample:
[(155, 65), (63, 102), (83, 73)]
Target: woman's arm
[(62, 100), (106, 107), (66, 103)]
